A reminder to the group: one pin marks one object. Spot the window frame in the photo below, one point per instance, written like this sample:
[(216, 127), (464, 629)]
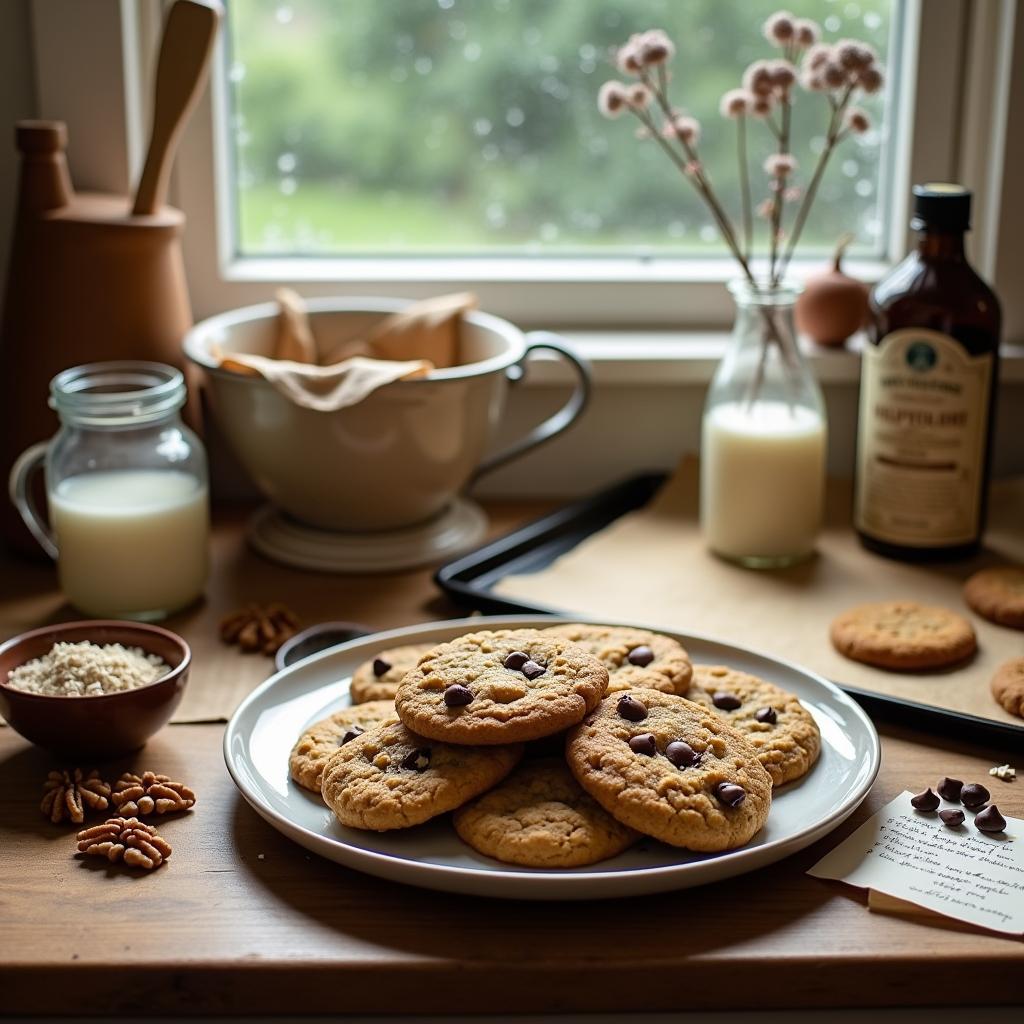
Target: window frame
[(956, 53)]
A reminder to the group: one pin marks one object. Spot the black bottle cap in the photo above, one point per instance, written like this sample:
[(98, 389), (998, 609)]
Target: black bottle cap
[(941, 206)]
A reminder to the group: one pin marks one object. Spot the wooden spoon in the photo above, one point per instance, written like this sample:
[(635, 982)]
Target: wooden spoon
[(181, 71)]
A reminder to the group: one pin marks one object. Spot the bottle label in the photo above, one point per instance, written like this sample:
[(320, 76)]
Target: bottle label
[(921, 439)]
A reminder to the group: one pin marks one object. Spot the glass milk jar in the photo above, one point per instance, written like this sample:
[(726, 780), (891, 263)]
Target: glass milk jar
[(763, 439), (126, 484)]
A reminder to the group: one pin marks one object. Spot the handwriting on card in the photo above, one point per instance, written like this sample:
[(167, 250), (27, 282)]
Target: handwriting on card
[(959, 872)]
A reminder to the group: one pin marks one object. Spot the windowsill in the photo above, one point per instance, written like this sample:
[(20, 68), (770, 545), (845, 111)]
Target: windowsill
[(536, 270), (620, 358)]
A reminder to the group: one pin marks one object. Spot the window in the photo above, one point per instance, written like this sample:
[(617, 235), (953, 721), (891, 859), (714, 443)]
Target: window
[(468, 128)]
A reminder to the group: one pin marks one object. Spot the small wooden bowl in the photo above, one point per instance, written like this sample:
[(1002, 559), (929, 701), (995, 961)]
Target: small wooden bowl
[(98, 727)]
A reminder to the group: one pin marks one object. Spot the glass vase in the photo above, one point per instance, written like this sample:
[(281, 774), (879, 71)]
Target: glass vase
[(763, 439)]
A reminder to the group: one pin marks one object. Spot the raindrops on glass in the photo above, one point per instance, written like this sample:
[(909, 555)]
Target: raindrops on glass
[(336, 99)]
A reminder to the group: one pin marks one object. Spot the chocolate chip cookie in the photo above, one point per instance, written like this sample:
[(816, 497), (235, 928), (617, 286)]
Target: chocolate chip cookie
[(998, 595), (540, 818), (903, 636), (500, 687), (778, 727), (633, 657), (671, 769), (1008, 686), (378, 678), (390, 778), (316, 745)]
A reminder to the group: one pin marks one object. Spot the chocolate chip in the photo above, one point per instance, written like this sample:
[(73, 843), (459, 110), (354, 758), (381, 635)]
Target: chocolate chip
[(531, 669), (725, 701), (458, 696), (990, 820), (631, 709), (952, 817), (417, 760), (767, 715), (644, 743), (641, 656), (730, 794), (381, 666), (351, 734), (681, 754), (973, 795), (949, 789), (926, 801), (516, 660)]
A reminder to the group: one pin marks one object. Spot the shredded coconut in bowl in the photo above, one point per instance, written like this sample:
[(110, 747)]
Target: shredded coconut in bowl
[(87, 670)]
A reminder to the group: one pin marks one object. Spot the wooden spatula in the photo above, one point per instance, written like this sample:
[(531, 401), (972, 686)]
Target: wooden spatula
[(181, 71)]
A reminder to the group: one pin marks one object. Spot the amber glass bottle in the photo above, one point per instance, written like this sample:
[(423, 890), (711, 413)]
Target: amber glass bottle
[(927, 393)]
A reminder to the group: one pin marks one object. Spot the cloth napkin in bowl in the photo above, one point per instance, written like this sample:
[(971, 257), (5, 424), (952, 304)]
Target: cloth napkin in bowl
[(404, 345)]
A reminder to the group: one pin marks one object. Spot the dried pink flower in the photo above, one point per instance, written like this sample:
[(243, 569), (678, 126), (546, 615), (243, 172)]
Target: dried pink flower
[(818, 55), (683, 127), (854, 55), (792, 194), (780, 165), (612, 99), (762, 106), (655, 47), (638, 96), (758, 78), (780, 28), (736, 103), (870, 79), (812, 81), (765, 207), (627, 57), (808, 32), (782, 75), (857, 120), (833, 75)]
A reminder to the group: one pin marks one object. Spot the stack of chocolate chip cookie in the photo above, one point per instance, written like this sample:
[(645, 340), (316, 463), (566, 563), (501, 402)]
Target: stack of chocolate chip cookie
[(560, 747)]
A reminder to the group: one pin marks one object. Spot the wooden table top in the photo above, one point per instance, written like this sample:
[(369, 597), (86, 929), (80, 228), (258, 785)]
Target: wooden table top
[(243, 921)]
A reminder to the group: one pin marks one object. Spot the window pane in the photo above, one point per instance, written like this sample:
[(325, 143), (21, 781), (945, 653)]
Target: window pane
[(448, 127)]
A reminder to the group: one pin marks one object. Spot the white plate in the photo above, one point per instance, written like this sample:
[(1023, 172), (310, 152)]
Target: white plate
[(261, 733)]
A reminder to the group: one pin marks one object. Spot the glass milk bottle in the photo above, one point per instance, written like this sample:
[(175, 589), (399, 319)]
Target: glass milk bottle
[(126, 484), (763, 439)]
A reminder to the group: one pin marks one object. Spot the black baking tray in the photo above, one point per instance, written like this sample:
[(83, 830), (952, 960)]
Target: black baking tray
[(469, 581)]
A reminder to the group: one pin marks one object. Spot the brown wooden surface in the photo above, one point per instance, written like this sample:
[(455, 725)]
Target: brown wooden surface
[(243, 921)]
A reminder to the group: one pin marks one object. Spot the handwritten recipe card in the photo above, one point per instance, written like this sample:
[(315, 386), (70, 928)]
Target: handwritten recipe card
[(958, 872)]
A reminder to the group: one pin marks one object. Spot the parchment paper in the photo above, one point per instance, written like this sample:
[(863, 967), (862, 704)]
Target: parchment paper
[(652, 566)]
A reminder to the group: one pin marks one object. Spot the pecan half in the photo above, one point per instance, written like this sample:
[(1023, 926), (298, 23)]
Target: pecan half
[(150, 793), (125, 839)]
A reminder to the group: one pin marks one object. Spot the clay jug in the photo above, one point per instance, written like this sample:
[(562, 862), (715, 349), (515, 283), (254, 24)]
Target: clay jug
[(94, 277)]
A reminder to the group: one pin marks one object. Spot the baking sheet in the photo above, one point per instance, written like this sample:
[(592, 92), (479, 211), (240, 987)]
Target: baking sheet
[(652, 565)]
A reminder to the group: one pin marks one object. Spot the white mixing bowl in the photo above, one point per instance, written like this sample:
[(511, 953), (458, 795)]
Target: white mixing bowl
[(400, 456)]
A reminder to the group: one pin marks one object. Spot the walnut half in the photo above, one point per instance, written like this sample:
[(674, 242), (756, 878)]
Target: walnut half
[(67, 794), (259, 629)]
